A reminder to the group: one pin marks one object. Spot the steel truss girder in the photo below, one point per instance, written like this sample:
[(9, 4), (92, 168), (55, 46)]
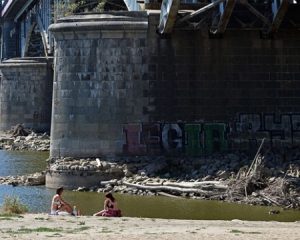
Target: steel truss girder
[(43, 34), (201, 10), (169, 11), (226, 14), (168, 14), (255, 12), (278, 14)]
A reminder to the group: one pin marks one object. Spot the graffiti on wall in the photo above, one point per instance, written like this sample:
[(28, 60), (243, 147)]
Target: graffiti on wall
[(199, 139)]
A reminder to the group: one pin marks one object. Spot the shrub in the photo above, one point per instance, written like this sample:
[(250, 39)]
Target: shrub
[(13, 205)]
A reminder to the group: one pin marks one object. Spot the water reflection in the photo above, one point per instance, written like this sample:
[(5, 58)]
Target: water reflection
[(39, 198), (20, 163)]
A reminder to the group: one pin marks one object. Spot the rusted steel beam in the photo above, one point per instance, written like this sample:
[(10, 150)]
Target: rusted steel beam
[(255, 12), (279, 15), (225, 16), (201, 10), (168, 14)]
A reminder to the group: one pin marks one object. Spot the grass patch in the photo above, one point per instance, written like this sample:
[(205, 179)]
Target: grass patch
[(78, 229), (81, 223), (39, 218), (6, 218), (71, 221), (125, 219), (242, 232), (106, 230), (236, 231), (104, 219), (40, 229), (10, 215), (12, 205)]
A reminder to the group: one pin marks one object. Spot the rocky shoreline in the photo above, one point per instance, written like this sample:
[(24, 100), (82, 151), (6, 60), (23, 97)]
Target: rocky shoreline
[(263, 178)]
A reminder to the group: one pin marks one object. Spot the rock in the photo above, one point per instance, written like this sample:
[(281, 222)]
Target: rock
[(272, 211), (156, 165), (28, 138), (233, 157), (127, 173), (167, 175)]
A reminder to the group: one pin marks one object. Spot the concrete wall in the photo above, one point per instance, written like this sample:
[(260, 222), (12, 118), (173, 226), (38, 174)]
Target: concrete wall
[(26, 93), (122, 89)]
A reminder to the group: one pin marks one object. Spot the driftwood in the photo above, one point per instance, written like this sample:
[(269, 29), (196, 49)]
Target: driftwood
[(206, 185), (19, 130), (269, 199), (255, 158), (167, 188), (153, 184), (111, 182), (168, 195)]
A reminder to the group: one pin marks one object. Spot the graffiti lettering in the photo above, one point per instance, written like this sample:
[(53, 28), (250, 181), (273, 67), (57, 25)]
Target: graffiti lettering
[(199, 139)]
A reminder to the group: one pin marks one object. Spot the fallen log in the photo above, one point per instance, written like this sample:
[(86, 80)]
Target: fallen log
[(169, 195), (153, 184), (111, 182), (167, 188), (211, 184)]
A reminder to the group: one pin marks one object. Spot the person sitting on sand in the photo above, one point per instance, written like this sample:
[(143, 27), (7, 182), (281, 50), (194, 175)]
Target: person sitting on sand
[(110, 204), (58, 204)]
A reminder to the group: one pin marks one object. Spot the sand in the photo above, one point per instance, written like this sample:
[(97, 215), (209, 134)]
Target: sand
[(42, 226)]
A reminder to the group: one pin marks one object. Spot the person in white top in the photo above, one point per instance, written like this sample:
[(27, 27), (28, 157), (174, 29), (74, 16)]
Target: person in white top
[(58, 204)]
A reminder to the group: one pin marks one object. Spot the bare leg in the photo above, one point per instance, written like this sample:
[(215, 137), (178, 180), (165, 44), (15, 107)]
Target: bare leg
[(66, 207), (99, 213)]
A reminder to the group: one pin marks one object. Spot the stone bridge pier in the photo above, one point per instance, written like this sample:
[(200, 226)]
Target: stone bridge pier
[(120, 88), (98, 82)]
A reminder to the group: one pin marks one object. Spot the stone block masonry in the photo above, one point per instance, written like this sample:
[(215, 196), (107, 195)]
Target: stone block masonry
[(26, 93), (98, 80), (122, 89)]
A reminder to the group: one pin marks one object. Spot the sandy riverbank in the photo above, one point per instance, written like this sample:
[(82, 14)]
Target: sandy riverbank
[(41, 226)]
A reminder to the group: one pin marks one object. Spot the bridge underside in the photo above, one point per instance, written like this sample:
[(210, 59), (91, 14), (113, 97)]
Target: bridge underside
[(217, 16), (32, 17)]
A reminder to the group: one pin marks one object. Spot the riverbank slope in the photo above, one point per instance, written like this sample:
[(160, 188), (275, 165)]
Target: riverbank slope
[(41, 226)]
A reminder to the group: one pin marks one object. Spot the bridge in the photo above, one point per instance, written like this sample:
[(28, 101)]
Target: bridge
[(25, 22)]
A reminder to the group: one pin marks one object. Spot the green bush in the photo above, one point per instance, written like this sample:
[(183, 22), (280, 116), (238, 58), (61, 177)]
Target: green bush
[(13, 205)]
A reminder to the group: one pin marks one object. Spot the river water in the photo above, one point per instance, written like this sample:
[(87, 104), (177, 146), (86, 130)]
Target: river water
[(38, 198)]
